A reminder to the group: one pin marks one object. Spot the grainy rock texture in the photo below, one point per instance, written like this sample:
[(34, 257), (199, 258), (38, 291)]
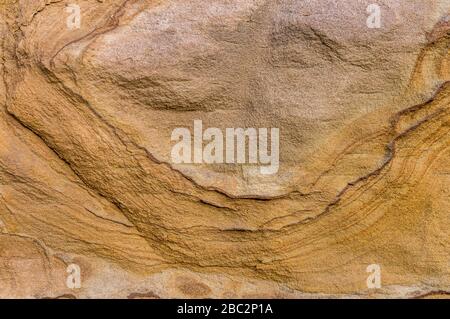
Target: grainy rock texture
[(86, 175)]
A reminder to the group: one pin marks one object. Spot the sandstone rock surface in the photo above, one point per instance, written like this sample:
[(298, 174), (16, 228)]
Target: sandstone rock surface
[(86, 175)]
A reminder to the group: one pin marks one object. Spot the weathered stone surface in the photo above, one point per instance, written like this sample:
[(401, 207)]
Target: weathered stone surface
[(86, 175)]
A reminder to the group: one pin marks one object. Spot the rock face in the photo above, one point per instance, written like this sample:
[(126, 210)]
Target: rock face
[(92, 203)]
